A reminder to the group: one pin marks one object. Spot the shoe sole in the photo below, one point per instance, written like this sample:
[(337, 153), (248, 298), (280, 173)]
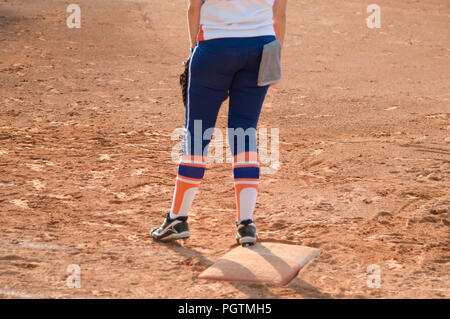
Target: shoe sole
[(246, 241), (184, 235)]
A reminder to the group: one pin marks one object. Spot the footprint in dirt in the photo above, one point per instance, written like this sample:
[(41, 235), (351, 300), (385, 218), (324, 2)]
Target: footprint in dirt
[(324, 206)]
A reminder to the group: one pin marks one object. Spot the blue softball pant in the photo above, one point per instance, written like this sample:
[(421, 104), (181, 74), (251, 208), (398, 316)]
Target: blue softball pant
[(216, 67)]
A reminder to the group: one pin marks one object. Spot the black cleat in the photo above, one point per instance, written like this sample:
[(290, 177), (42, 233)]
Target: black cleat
[(171, 229), (246, 232)]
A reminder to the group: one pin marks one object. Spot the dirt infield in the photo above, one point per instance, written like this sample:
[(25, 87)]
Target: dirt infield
[(86, 117)]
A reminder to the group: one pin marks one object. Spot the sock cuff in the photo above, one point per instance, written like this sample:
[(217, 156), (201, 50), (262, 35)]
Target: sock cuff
[(189, 180), (193, 160), (191, 172), (245, 159)]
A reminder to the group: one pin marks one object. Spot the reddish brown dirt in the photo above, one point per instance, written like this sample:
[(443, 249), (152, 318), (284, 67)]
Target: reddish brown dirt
[(86, 117)]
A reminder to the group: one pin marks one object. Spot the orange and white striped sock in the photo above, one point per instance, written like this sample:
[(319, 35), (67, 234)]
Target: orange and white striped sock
[(190, 174), (246, 180)]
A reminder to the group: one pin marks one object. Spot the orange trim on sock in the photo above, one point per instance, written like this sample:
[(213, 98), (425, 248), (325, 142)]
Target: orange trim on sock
[(189, 178), (193, 165), (181, 188)]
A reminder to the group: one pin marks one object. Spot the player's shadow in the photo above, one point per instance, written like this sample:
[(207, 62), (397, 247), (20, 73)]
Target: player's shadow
[(252, 290), (300, 286)]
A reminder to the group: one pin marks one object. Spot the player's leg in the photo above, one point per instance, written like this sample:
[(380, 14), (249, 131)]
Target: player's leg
[(246, 100), (208, 84)]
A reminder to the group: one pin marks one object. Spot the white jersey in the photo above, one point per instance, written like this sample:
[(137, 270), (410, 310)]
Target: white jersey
[(236, 19)]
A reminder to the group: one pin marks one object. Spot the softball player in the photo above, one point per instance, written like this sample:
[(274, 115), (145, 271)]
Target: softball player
[(228, 42)]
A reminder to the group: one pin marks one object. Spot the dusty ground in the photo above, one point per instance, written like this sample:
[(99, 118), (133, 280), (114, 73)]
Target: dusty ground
[(86, 117)]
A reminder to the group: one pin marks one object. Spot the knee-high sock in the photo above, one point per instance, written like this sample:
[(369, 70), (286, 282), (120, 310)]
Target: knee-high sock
[(246, 180), (190, 173)]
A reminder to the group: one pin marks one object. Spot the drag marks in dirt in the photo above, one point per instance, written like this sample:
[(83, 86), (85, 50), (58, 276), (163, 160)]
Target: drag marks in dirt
[(366, 217), (18, 294), (83, 195), (82, 165), (45, 275), (381, 240), (119, 191)]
